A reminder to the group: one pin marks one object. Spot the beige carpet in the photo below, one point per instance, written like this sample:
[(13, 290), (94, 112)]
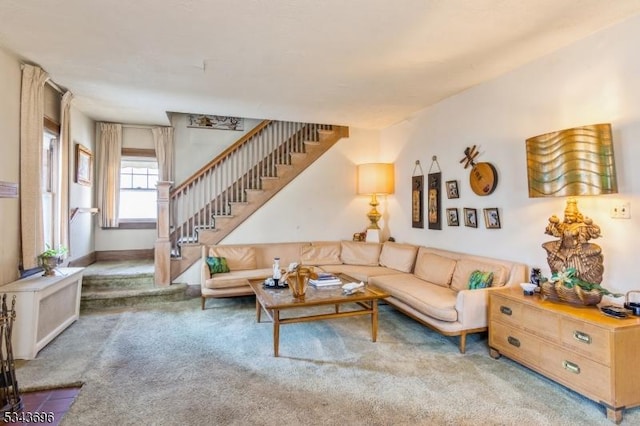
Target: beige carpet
[(173, 364)]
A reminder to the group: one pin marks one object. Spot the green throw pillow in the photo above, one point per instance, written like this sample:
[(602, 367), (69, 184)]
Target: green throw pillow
[(479, 279), (217, 265)]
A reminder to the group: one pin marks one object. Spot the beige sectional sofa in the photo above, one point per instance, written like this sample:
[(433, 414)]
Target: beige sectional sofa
[(428, 284)]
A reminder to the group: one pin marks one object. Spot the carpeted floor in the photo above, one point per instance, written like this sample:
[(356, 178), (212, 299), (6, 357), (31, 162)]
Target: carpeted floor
[(173, 364)]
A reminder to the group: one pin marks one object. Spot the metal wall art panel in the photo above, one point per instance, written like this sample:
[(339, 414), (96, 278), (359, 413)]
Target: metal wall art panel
[(571, 162)]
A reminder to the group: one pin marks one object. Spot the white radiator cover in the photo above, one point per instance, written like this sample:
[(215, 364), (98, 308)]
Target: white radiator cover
[(45, 306)]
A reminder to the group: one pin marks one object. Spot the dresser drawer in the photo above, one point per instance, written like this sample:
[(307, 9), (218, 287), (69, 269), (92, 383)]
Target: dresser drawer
[(579, 373), (586, 339), (506, 310), (542, 323), (514, 343), (537, 321)]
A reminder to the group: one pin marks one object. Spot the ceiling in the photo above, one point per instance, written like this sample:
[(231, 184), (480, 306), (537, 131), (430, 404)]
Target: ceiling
[(363, 63)]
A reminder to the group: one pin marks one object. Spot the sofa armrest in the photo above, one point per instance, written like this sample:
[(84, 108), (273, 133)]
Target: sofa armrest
[(204, 273), (473, 307)]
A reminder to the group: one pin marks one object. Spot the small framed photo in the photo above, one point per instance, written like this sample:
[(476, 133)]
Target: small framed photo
[(452, 189), (452, 217), (470, 217), (84, 165), (491, 218)]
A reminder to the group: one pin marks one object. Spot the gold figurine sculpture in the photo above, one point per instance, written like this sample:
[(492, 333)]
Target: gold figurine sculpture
[(573, 249)]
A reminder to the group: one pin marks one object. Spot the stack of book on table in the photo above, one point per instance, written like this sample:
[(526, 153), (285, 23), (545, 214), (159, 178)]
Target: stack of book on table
[(325, 279)]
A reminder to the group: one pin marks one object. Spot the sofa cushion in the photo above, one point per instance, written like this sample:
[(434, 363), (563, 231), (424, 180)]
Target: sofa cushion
[(237, 278), (359, 272), (435, 301), (321, 253), (480, 279), (358, 253), (401, 257), (238, 257), (217, 265), (434, 268), (465, 267)]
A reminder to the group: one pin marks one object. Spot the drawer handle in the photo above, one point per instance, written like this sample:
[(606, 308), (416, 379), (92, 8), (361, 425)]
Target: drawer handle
[(582, 337), (513, 341), (505, 310), (570, 366)]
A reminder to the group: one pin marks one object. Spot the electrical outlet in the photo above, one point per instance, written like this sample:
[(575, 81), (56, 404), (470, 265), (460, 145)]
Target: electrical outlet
[(621, 210)]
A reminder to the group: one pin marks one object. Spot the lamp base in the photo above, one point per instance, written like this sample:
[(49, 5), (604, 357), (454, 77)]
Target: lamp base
[(573, 249), (373, 236)]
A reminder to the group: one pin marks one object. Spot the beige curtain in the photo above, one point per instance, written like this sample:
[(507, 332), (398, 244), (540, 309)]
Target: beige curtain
[(31, 131), (163, 139), (65, 143), (109, 153)]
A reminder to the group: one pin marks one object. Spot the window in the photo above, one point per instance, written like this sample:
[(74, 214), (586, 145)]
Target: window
[(50, 189), (138, 194)]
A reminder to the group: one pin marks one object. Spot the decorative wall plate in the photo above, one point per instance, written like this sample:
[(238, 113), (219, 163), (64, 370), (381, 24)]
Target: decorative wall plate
[(483, 177)]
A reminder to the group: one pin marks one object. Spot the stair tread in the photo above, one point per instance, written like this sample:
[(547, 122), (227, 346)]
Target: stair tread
[(106, 277), (114, 268), (112, 294)]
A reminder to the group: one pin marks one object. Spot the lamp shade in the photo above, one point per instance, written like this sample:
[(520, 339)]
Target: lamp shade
[(572, 162), (375, 178)]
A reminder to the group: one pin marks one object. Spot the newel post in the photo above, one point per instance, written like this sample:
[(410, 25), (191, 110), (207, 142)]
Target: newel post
[(162, 252)]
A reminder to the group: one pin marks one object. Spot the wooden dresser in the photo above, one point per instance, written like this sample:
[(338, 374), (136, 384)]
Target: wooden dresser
[(579, 347)]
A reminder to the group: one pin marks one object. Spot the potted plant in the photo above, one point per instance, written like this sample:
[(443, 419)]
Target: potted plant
[(51, 258)]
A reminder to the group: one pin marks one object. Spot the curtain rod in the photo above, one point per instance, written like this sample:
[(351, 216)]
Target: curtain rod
[(138, 126), (55, 86)]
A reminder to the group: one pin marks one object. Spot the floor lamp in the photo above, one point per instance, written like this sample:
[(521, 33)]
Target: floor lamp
[(375, 179)]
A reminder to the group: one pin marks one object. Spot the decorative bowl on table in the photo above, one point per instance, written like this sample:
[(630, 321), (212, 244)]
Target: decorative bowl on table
[(528, 288)]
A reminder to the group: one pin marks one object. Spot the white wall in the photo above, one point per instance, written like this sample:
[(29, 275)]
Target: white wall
[(9, 164), (81, 229), (595, 80), (196, 147), (321, 203)]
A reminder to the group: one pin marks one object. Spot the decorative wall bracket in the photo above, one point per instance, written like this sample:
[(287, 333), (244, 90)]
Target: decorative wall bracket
[(74, 212)]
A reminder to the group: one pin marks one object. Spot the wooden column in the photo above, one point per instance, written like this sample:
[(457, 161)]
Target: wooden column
[(162, 256)]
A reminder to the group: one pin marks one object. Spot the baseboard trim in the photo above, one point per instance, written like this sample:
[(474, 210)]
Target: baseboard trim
[(83, 261), (141, 254)]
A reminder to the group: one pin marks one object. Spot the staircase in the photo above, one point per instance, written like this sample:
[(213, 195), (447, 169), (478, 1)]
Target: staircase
[(220, 196), (117, 284)]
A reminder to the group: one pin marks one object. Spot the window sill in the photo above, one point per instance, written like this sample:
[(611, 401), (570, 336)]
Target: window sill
[(137, 224)]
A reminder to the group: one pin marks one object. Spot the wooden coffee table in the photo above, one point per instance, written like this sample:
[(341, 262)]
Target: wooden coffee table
[(272, 301)]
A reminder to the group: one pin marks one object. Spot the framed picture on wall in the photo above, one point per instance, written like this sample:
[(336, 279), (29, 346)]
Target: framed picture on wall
[(417, 201), (470, 217), (452, 217), (491, 218), (433, 209), (84, 165), (452, 189)]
